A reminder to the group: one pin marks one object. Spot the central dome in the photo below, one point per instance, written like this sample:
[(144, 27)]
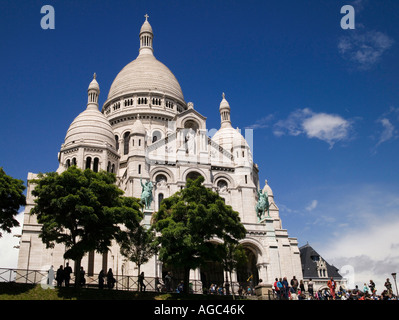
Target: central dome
[(146, 73)]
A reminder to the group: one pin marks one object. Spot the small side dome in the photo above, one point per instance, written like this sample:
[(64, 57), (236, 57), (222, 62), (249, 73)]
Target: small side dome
[(146, 27), (229, 138), (239, 141), (138, 127), (91, 127), (268, 189), (94, 84), (224, 104)]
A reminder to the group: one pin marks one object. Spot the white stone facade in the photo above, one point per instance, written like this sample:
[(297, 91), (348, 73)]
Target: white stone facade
[(147, 130)]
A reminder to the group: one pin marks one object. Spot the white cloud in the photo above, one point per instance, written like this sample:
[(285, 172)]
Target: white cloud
[(362, 233), (312, 205), (371, 251), (364, 48), (326, 127), (261, 123), (388, 121), (388, 130)]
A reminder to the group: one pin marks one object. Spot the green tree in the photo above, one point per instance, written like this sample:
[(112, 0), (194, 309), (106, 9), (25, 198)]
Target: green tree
[(11, 199), (188, 220), (81, 209), (137, 244)]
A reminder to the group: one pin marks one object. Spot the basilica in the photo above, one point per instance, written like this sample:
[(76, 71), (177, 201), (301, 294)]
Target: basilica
[(147, 132)]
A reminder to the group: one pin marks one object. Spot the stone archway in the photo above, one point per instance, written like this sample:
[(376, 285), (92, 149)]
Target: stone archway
[(248, 274)]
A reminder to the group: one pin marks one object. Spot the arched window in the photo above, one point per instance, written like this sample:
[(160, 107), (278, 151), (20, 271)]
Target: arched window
[(156, 135), (109, 166), (139, 169), (68, 163), (222, 185), (161, 180), (95, 165), (88, 162), (193, 175), (74, 161), (117, 142), (113, 168), (191, 124), (126, 138)]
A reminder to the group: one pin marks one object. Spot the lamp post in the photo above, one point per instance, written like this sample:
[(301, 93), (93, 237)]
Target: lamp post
[(396, 286)]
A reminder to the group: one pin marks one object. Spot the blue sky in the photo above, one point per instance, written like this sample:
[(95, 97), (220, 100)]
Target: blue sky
[(323, 101)]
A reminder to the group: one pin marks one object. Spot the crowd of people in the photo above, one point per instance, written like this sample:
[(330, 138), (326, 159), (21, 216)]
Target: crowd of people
[(295, 290), (282, 289)]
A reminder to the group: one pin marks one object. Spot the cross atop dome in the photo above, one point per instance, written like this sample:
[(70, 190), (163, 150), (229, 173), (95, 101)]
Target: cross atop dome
[(146, 37)]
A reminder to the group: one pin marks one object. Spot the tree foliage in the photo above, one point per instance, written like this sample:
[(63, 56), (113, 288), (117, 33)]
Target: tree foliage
[(233, 257), (137, 244), (188, 220), (81, 209), (11, 199)]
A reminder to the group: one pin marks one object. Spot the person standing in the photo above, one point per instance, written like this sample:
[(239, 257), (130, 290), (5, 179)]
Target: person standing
[(276, 288), (110, 279), (331, 284), (82, 276), (302, 286), (372, 286), (294, 284), (141, 282), (101, 277), (388, 285), (310, 288), (168, 282), (60, 276), (50, 277), (285, 288), (67, 274)]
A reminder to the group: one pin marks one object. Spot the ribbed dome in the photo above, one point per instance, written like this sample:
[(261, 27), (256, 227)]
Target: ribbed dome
[(146, 27), (90, 127), (138, 127), (144, 74), (94, 84)]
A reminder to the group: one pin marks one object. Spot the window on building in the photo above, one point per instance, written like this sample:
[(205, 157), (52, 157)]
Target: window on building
[(156, 136), (126, 138), (88, 162), (193, 175), (117, 142), (160, 198), (95, 164)]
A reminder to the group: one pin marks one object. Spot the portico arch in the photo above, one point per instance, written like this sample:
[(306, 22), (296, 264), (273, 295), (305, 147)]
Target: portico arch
[(248, 275)]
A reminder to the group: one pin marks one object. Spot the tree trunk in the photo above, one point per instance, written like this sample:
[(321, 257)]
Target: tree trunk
[(186, 280), (231, 286), (138, 277), (78, 263)]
